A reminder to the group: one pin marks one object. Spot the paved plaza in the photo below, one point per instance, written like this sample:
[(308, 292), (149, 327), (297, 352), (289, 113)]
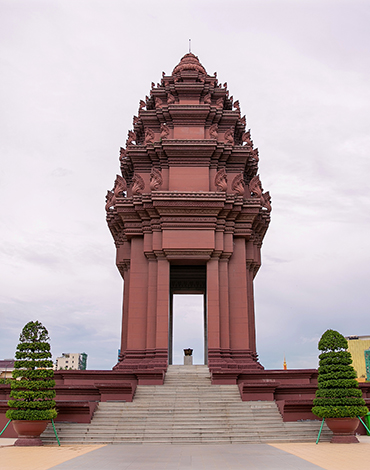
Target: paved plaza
[(306, 456)]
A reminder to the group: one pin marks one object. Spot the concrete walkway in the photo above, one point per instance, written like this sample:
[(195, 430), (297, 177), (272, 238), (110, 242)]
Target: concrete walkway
[(307, 456)]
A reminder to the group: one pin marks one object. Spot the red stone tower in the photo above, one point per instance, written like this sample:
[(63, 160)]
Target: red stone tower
[(188, 215)]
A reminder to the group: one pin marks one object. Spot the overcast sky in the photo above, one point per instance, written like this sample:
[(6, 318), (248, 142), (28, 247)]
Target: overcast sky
[(72, 74)]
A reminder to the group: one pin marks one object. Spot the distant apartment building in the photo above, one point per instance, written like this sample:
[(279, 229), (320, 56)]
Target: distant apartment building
[(359, 347), (74, 361)]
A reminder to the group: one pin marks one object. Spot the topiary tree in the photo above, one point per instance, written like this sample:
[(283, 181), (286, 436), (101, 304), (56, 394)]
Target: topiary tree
[(338, 395), (32, 395)]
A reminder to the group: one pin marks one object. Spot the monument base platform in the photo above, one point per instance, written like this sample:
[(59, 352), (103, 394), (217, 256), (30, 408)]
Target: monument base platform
[(78, 392), (149, 366)]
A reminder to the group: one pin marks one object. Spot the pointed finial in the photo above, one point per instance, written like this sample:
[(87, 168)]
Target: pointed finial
[(189, 45), (285, 365)]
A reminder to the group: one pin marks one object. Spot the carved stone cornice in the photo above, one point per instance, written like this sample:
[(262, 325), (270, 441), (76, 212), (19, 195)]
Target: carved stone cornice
[(172, 254), (123, 266), (171, 195)]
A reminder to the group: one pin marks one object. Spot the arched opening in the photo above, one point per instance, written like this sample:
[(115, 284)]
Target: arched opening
[(188, 314)]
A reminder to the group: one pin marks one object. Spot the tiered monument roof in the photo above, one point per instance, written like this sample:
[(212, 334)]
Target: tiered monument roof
[(188, 121)]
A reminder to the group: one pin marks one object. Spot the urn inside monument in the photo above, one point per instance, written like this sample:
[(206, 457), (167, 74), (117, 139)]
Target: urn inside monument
[(188, 357)]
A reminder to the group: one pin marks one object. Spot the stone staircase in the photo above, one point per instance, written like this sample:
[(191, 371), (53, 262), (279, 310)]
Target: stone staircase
[(187, 409)]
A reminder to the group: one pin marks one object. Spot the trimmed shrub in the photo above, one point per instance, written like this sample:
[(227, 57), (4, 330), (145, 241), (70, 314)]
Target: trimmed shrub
[(338, 395), (32, 387)]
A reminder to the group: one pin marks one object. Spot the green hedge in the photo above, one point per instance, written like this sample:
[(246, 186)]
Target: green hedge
[(339, 411), (338, 395), (33, 374), (328, 369), (31, 415), (335, 357), (338, 392), (344, 401), (337, 375), (32, 386), (340, 383)]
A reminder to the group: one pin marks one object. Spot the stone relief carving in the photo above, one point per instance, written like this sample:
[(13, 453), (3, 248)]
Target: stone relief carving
[(255, 187), (255, 155), (229, 136), (246, 137), (120, 185), (213, 131), (207, 99), (122, 154), (142, 105), (131, 138), (170, 98), (149, 135), (220, 103), (221, 180), (165, 131), (266, 201), (158, 103), (237, 106), (243, 120), (135, 120), (138, 184), (156, 179), (238, 185), (109, 200)]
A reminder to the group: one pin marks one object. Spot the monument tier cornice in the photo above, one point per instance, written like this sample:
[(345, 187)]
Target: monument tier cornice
[(190, 195), (166, 210), (176, 152), (192, 201)]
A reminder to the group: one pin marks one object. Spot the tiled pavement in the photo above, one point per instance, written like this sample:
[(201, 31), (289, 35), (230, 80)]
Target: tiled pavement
[(307, 456)]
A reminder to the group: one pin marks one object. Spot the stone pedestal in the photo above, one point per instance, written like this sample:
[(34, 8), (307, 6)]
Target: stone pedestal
[(188, 360)]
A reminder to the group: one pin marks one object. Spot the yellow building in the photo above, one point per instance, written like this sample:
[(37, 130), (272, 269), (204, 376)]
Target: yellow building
[(357, 345)]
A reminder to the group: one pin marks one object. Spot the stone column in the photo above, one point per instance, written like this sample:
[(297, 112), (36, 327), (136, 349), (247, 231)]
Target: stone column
[(253, 262), (137, 303), (251, 317), (239, 334), (213, 305), (152, 305), (224, 305), (126, 289), (162, 305)]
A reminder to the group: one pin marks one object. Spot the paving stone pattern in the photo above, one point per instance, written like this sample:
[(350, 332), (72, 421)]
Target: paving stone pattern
[(177, 457)]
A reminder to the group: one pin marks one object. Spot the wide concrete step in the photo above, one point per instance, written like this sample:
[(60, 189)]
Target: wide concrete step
[(186, 409)]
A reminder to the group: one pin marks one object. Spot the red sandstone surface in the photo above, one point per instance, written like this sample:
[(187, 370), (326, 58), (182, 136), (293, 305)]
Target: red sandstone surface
[(189, 195)]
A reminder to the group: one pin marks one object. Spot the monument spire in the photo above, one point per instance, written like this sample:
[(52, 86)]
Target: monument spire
[(187, 215)]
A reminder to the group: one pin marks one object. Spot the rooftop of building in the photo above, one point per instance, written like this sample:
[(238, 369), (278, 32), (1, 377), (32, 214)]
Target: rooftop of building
[(6, 363)]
